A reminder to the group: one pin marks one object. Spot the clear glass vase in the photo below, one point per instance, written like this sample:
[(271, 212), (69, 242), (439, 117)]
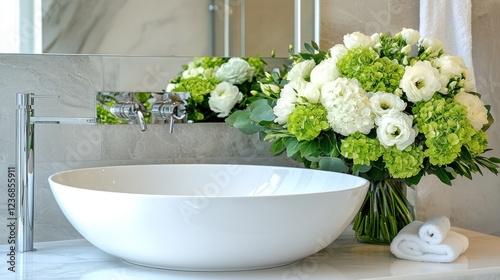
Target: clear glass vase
[(388, 207)]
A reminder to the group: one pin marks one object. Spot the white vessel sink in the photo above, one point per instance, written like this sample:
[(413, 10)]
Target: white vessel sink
[(208, 217)]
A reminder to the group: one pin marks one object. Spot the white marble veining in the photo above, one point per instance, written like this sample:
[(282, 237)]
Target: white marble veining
[(345, 259)]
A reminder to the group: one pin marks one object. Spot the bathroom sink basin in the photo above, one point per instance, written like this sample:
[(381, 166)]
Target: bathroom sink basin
[(208, 217)]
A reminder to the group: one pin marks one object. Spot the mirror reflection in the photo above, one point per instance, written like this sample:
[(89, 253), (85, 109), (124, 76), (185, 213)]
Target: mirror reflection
[(174, 27)]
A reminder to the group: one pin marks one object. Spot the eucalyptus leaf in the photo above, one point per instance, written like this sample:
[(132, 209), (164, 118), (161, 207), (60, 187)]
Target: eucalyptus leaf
[(332, 164), (263, 112)]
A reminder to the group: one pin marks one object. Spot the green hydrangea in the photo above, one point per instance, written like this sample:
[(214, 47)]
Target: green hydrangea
[(307, 121), (445, 126), (478, 144), (361, 148), (373, 73), (405, 163), (197, 86), (210, 62), (256, 63)]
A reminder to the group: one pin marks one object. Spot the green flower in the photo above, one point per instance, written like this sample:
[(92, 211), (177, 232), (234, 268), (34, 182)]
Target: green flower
[(197, 86), (307, 121), (372, 72), (258, 64), (445, 126), (478, 144), (405, 163), (360, 148)]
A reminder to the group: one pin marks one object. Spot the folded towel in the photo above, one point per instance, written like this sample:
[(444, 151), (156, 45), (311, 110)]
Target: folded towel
[(408, 245), (434, 230)]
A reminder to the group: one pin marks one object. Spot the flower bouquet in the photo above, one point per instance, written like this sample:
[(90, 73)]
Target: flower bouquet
[(387, 108), (217, 85)]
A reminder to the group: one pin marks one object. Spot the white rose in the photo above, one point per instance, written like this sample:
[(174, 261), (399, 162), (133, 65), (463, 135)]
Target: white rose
[(223, 98), (325, 72), (384, 102), (432, 46), (411, 36), (235, 71), (476, 112), (301, 71), (420, 81), (311, 93), (357, 39), (285, 104), (395, 128), (337, 52)]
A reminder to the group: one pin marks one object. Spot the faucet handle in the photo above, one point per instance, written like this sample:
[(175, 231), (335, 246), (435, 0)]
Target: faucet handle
[(169, 110), (130, 110)]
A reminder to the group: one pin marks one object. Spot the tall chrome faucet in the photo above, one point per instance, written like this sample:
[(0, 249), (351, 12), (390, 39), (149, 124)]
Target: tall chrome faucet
[(25, 164)]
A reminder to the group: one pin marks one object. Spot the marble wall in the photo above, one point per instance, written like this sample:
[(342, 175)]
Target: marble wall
[(469, 204)]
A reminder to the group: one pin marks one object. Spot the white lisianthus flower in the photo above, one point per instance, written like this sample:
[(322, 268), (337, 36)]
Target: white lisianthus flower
[(311, 93), (325, 72), (348, 107), (236, 71), (476, 112), (432, 46), (285, 104), (170, 87), (469, 84), (383, 102), (337, 52), (301, 71), (356, 40), (411, 36), (449, 65), (223, 98), (395, 128), (420, 81)]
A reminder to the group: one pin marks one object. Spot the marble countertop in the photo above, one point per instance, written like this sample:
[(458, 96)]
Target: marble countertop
[(345, 258)]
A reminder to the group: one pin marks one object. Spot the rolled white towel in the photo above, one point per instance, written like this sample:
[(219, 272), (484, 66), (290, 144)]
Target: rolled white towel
[(434, 230), (408, 245)]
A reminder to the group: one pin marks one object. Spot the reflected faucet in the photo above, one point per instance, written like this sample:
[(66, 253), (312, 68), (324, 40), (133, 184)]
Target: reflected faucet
[(129, 110), (25, 164)]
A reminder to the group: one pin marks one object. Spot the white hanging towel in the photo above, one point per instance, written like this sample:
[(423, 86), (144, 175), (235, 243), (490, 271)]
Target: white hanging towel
[(450, 22)]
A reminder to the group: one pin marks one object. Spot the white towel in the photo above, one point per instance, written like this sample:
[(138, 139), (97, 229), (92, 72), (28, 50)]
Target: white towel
[(434, 230), (408, 245), (450, 22)]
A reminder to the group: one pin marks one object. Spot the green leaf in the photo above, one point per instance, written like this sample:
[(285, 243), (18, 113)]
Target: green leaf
[(263, 112), (332, 164), (309, 48), (292, 146), (245, 124), (308, 148), (232, 118)]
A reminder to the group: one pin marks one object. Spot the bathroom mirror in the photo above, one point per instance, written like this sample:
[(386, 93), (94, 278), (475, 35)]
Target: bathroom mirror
[(167, 28)]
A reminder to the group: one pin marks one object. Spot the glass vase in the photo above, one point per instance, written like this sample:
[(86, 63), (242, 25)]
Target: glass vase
[(388, 207)]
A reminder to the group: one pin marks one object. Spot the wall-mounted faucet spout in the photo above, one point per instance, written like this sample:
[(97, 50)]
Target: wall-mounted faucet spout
[(25, 164)]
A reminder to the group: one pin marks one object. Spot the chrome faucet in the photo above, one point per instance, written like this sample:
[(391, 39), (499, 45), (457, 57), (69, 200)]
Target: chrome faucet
[(130, 110), (169, 110), (25, 164)]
